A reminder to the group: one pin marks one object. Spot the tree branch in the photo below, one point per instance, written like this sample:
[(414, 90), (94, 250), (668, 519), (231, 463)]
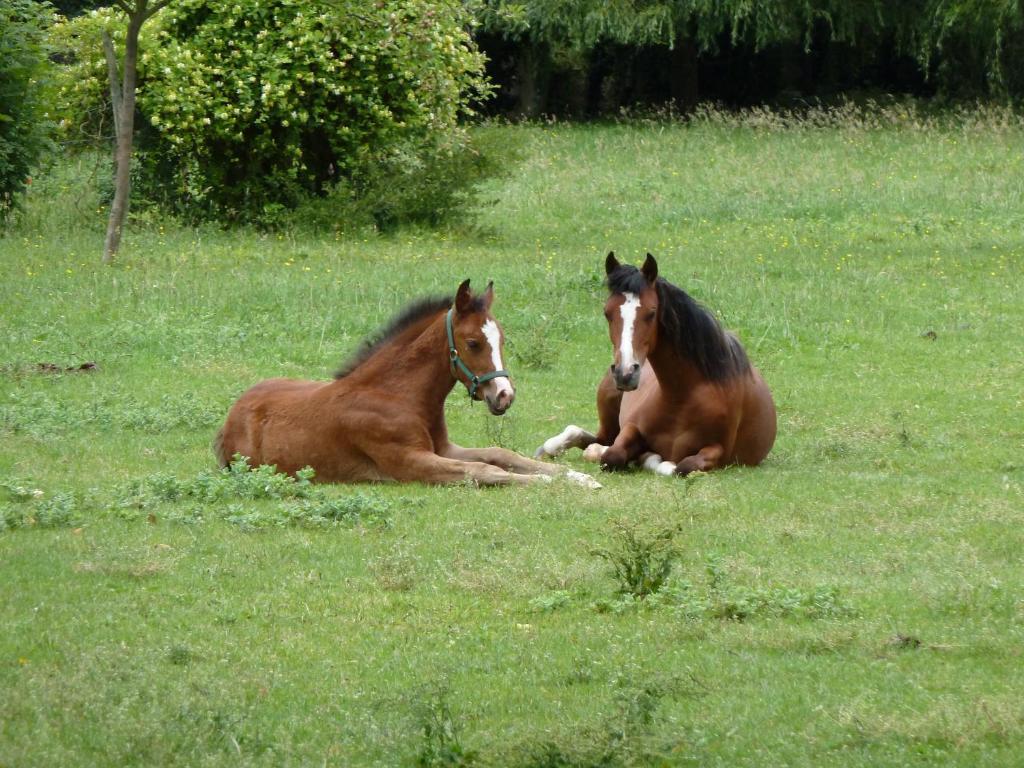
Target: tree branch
[(157, 7)]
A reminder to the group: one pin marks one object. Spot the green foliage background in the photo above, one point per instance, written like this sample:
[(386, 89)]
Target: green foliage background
[(23, 124)]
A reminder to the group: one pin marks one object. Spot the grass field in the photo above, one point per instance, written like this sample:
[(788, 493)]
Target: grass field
[(856, 600)]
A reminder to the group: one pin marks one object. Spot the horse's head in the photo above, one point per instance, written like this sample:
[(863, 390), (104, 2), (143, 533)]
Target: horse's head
[(476, 342), (632, 313)]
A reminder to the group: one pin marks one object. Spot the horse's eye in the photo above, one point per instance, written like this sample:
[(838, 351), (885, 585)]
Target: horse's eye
[(472, 344)]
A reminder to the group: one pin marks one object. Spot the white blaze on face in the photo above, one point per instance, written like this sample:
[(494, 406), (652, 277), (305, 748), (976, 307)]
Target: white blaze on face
[(493, 336), (628, 312)]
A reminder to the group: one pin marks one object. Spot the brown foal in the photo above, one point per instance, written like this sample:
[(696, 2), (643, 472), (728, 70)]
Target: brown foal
[(382, 418)]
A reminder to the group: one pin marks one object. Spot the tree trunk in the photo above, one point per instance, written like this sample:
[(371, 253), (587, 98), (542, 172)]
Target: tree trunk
[(533, 68), (684, 85), (125, 138)]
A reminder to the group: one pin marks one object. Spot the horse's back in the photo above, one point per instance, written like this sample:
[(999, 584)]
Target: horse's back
[(261, 407)]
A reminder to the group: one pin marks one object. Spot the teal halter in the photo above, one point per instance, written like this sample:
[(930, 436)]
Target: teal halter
[(473, 381)]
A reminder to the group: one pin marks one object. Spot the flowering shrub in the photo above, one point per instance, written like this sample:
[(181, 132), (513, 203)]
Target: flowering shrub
[(81, 93), (22, 123), (256, 104)]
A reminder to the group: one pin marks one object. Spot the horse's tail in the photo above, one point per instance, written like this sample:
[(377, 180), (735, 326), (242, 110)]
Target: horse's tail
[(218, 449)]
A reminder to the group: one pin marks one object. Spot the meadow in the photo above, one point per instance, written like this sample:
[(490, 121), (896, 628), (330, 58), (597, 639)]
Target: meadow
[(857, 600)]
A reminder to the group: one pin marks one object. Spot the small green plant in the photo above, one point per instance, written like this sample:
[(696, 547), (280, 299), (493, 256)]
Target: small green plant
[(236, 481), (550, 602), (358, 507), (536, 347), (60, 510), (180, 655), (442, 741), (18, 490), (641, 557), (623, 738), (721, 599), (902, 432), (29, 507), (220, 493)]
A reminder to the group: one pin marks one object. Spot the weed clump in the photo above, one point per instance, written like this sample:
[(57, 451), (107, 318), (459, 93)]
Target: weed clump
[(223, 491), (441, 744), (718, 597), (236, 481), (624, 737), (250, 498), (641, 557), (26, 507)]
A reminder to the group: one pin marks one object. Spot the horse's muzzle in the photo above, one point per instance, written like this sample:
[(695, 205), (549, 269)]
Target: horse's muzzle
[(626, 380), (501, 401)]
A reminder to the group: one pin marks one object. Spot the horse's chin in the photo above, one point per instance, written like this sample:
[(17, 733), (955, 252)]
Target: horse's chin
[(497, 411), (627, 386)]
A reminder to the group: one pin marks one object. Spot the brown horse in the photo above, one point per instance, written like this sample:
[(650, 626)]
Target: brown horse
[(382, 418), (681, 394)]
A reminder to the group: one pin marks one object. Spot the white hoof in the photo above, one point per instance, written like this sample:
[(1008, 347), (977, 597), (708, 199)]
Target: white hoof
[(551, 447), (650, 461), (582, 478), (665, 468), (557, 445)]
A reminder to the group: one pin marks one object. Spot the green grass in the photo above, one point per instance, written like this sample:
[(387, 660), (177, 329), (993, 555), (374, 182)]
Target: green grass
[(856, 600)]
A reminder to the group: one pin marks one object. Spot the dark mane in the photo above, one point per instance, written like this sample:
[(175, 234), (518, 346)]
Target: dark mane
[(688, 326), (405, 318)]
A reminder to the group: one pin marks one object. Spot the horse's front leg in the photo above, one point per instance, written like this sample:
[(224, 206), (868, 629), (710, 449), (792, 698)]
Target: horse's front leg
[(513, 462), (570, 437), (429, 467), (707, 458), (629, 445), (609, 400)]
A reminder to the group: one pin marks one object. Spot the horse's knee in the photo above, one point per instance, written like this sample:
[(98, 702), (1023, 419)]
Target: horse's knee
[(692, 464), (614, 459)]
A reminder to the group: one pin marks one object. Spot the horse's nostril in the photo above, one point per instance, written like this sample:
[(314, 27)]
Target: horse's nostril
[(636, 367)]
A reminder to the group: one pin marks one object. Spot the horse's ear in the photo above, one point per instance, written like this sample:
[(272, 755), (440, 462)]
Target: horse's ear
[(650, 269), (463, 298), (611, 263), (489, 295)]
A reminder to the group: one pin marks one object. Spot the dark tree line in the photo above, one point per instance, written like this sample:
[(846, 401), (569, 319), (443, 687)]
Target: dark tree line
[(591, 57)]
